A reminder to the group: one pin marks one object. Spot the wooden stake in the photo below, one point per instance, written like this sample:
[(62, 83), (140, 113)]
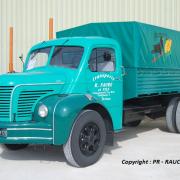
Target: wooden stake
[(11, 68), (50, 28)]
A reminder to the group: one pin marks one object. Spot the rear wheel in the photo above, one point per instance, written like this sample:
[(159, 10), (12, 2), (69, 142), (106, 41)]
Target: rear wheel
[(133, 123), (87, 139), (178, 117), (171, 114), (15, 147)]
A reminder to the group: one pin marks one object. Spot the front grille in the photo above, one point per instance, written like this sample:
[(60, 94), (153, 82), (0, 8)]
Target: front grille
[(5, 97), (26, 101)]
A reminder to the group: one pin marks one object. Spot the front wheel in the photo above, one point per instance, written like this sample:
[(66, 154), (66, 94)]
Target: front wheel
[(15, 147), (87, 139)]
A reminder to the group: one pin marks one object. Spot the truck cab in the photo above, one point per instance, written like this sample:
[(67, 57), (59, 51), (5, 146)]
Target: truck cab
[(69, 93)]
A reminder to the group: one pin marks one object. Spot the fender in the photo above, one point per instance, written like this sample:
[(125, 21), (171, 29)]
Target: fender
[(65, 112)]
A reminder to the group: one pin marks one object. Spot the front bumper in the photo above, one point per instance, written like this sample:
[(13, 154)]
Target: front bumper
[(26, 133)]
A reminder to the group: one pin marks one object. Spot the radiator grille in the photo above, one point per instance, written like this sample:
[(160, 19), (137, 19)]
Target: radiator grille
[(5, 96), (26, 101)]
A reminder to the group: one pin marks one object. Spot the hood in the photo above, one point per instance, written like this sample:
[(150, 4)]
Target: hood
[(38, 75)]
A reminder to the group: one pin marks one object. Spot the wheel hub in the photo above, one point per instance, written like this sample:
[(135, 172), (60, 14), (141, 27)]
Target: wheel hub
[(89, 139)]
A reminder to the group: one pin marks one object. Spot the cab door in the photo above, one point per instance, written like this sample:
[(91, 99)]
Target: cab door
[(104, 80)]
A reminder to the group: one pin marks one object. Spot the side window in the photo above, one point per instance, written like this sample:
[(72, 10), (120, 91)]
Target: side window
[(102, 60)]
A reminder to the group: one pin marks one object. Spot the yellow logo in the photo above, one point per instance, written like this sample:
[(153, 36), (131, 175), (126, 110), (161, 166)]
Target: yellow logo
[(162, 47), (167, 46)]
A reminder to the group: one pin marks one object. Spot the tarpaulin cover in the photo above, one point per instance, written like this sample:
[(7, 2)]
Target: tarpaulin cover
[(143, 45)]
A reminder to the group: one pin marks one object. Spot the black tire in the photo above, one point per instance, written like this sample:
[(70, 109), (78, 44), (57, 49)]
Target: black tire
[(15, 147), (171, 115), (87, 139), (178, 117), (133, 123)]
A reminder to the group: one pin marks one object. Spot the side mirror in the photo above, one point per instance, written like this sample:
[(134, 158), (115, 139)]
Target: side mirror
[(21, 58)]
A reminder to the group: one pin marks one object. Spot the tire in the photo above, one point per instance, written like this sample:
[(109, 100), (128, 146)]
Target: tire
[(178, 117), (15, 147), (133, 123), (87, 139), (171, 115)]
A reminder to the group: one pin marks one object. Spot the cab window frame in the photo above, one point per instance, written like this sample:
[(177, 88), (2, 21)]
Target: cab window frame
[(114, 61)]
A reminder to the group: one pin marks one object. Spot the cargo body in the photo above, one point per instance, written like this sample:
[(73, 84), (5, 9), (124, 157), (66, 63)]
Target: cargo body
[(150, 55)]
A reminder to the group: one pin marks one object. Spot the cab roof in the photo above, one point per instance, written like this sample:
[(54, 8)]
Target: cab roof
[(75, 41)]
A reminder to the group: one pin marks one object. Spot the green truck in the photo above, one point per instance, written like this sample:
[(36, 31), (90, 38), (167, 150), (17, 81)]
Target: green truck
[(87, 84)]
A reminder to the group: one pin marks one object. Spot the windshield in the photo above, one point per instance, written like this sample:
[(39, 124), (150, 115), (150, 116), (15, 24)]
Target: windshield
[(67, 56), (63, 56), (38, 58)]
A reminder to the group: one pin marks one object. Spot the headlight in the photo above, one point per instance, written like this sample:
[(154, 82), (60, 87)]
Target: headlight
[(43, 111)]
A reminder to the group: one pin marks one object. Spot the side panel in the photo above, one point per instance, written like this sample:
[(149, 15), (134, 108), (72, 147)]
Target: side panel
[(157, 81), (150, 81)]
